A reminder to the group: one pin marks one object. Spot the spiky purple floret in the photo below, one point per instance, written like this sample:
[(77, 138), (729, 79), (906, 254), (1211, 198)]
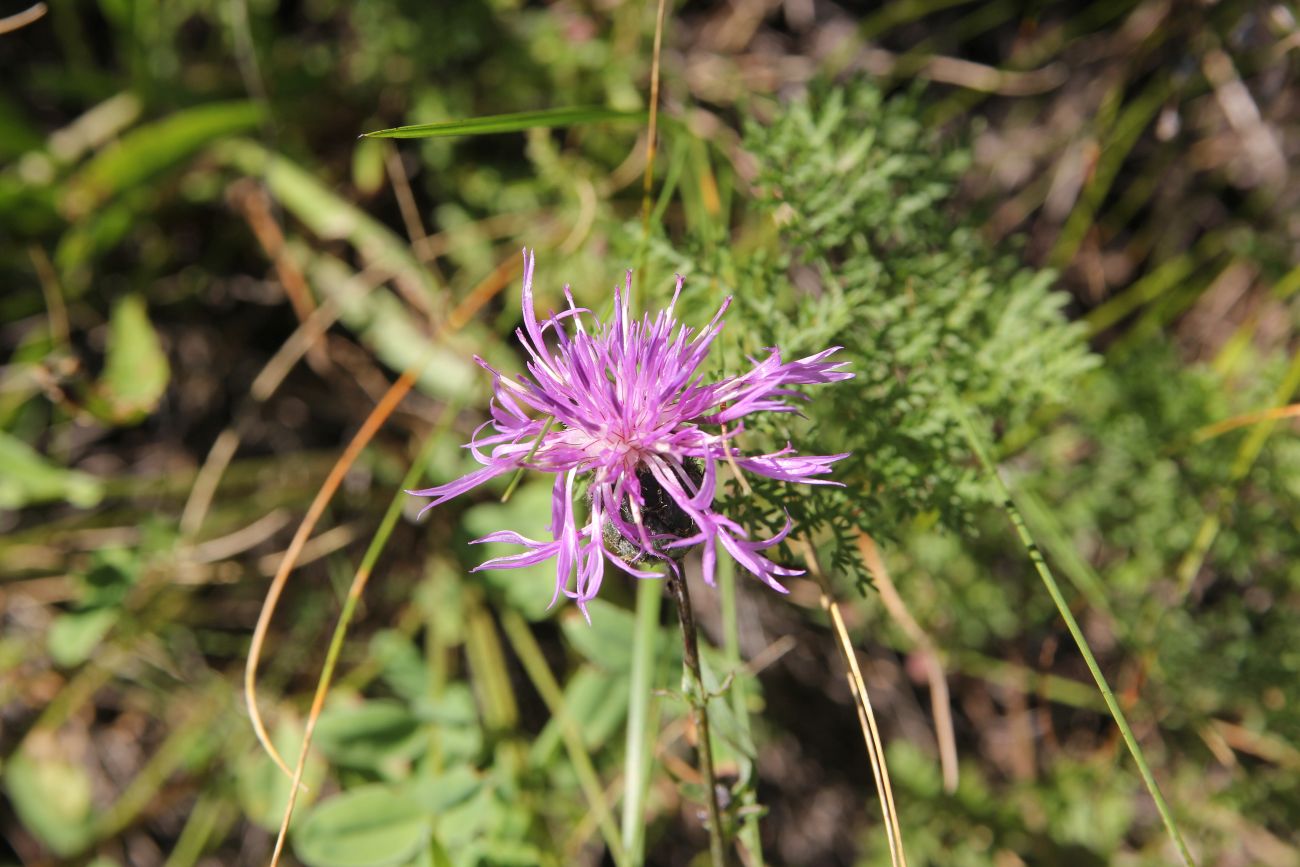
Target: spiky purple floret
[(627, 400)]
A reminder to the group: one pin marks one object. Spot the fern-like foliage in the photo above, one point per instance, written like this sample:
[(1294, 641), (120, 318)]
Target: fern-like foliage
[(875, 255)]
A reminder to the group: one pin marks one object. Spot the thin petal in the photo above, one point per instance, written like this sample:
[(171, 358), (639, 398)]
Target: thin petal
[(443, 493)]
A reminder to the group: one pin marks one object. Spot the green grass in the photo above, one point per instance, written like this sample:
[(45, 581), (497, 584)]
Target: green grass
[(1045, 297)]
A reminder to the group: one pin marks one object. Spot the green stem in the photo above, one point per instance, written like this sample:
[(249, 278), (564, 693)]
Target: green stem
[(519, 473), (636, 765), (699, 698), (539, 672), (1054, 590), (197, 831), (749, 831)]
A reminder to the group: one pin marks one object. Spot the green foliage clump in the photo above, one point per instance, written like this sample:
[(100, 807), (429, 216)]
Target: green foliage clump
[(1137, 494), (876, 256)]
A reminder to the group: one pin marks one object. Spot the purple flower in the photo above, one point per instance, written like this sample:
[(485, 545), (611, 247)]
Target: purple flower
[(622, 405)]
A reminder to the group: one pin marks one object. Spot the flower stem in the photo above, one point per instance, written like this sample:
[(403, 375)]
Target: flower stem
[(699, 698)]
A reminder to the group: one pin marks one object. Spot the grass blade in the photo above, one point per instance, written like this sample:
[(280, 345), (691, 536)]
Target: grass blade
[(1054, 590), (535, 665), (372, 424), (749, 831), (862, 704), (636, 766), (514, 122)]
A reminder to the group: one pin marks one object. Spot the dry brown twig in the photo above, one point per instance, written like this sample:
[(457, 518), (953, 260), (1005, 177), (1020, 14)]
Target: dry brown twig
[(251, 200), (929, 654), (862, 702), (493, 284), (21, 19)]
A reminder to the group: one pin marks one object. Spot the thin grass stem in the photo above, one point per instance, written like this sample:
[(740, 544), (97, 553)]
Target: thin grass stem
[(928, 653), (1054, 590), (539, 672), (368, 560), (653, 124), (862, 702), (369, 428), (21, 19), (637, 763)]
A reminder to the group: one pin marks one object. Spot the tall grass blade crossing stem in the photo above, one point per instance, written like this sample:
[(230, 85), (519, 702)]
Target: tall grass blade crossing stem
[(1054, 590)]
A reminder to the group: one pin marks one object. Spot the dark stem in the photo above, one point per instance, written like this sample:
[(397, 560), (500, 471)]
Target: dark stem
[(699, 698)]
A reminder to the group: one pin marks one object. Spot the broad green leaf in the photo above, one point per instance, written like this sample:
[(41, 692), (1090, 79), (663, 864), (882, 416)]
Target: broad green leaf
[(110, 576), (385, 322), (458, 736), (386, 326), (324, 212), (440, 792), (372, 826), (458, 826), (507, 853), (378, 735), (606, 642), (101, 589), (95, 235), (499, 123), (28, 477), (136, 372), (368, 166), (403, 665), (153, 148), (52, 797), (74, 635)]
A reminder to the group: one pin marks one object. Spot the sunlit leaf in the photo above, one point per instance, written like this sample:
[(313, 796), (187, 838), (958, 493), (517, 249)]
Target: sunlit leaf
[(74, 635), (29, 477), (444, 791), (508, 853), (499, 123), (597, 701), (136, 372), (605, 642), (530, 588), (153, 148), (403, 666), (459, 733), (52, 797)]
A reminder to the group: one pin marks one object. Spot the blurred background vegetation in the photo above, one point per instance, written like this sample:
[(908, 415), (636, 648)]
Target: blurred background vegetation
[(1077, 217)]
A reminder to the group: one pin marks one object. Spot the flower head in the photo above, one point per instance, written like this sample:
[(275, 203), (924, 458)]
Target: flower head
[(623, 406)]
